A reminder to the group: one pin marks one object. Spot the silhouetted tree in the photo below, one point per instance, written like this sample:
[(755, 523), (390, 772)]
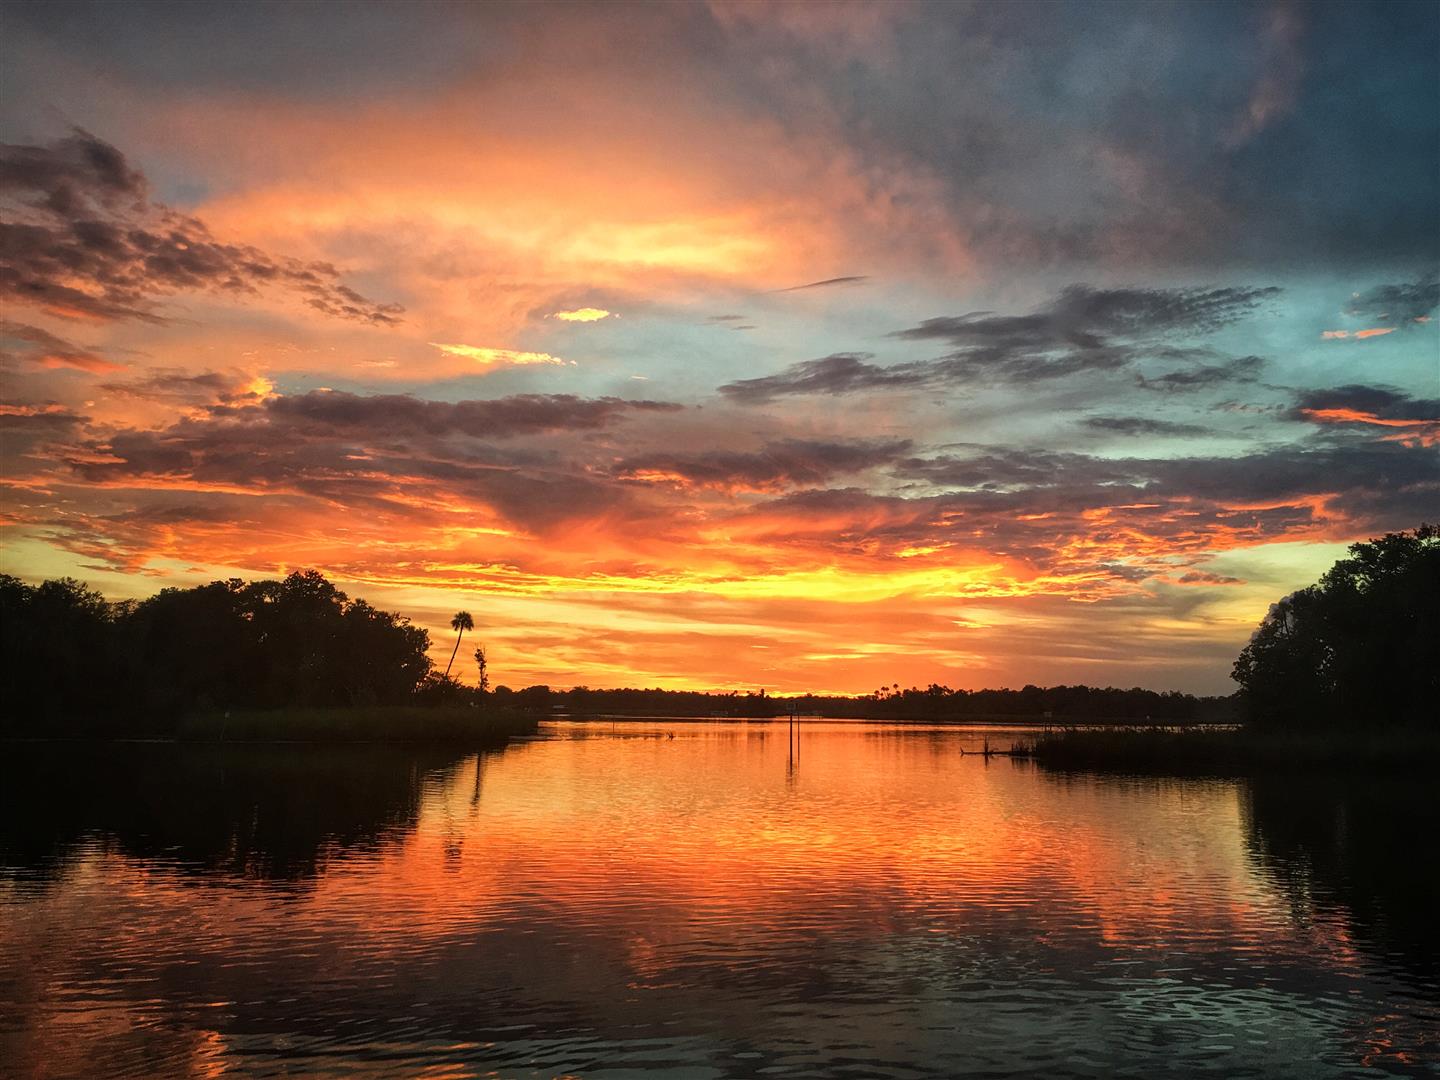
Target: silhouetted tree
[(1362, 646), (58, 652), (259, 644), (483, 685), (460, 623)]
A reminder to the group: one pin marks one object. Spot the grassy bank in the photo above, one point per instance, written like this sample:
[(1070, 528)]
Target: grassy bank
[(1223, 752), (457, 724)]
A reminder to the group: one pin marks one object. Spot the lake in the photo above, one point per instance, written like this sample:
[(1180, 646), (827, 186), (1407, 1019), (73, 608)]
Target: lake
[(693, 900)]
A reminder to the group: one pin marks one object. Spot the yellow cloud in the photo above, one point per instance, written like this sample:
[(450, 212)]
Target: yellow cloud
[(584, 314), (499, 357)]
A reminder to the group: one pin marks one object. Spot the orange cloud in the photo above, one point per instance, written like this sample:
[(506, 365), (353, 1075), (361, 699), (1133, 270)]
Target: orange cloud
[(1417, 432), (1379, 331)]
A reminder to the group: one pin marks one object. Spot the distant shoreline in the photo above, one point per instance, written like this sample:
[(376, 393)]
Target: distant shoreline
[(987, 720)]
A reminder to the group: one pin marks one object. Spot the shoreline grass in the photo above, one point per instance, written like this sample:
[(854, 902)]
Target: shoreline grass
[(1233, 751)]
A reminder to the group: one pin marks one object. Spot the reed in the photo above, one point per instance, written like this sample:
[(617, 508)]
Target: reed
[(1232, 751)]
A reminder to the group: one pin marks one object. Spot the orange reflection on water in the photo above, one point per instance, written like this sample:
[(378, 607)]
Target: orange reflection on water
[(696, 885)]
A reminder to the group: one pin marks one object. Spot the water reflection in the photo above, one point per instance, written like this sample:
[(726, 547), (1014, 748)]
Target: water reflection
[(605, 903), (1362, 848), (276, 813)]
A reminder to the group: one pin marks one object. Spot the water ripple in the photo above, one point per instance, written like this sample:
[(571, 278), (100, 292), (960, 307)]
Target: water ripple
[(606, 904)]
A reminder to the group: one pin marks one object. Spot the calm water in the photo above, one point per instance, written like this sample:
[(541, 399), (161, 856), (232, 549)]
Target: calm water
[(606, 903)]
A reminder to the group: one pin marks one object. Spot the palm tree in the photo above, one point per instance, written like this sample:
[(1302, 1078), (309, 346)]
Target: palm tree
[(460, 623)]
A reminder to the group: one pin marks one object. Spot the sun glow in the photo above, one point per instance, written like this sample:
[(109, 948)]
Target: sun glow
[(583, 315), (497, 358)]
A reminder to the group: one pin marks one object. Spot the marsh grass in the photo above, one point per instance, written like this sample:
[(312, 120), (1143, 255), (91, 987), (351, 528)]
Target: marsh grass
[(1232, 751)]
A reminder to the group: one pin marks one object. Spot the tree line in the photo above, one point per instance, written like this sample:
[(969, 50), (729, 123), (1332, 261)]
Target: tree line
[(934, 702), (1362, 646), (75, 661)]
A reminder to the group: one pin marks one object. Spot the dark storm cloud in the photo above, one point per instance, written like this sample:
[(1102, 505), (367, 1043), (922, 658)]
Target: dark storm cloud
[(1403, 304), (498, 418), (381, 453), (1087, 318), (71, 174), (785, 463), (81, 239), (389, 474), (336, 51), (27, 427), (995, 469), (1082, 329), (332, 436), (1141, 425), (1381, 402), (1071, 511), (1375, 482), (842, 373), (1359, 471), (1180, 135), (1242, 369)]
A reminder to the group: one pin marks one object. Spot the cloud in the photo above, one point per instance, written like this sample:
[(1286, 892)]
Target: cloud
[(1383, 401), (47, 350), (1206, 577), (82, 241), (584, 314), (1409, 420), (1082, 317), (854, 279), (998, 469), (1242, 369), (498, 358), (842, 373), (498, 418), (400, 461), (1141, 425), (1081, 329), (1361, 335), (71, 173), (250, 435), (176, 387), (780, 464), (27, 426), (1075, 513), (1405, 303), (1278, 86)]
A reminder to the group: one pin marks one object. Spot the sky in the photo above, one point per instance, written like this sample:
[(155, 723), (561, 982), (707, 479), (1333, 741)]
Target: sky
[(728, 345)]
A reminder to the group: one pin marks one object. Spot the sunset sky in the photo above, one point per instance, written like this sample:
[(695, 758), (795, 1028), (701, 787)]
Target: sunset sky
[(728, 345)]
